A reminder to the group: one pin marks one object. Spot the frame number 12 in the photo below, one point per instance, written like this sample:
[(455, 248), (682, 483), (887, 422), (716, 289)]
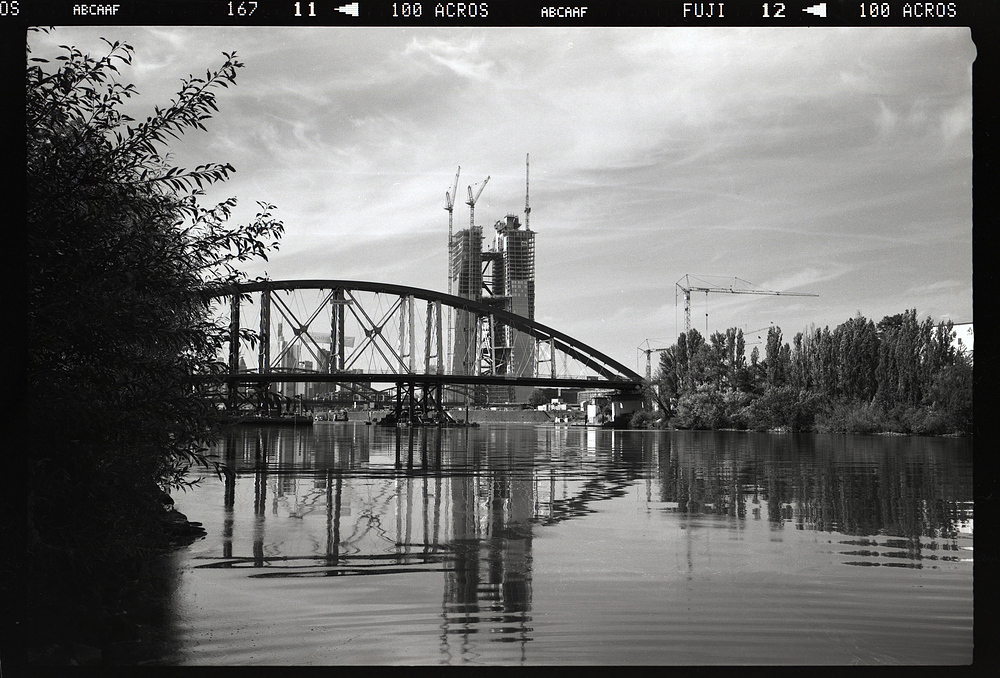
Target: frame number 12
[(774, 9)]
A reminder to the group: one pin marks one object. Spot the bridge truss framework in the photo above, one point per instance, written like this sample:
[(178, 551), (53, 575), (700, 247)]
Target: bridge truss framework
[(354, 336)]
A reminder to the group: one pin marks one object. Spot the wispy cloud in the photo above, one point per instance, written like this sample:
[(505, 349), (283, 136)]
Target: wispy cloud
[(460, 56)]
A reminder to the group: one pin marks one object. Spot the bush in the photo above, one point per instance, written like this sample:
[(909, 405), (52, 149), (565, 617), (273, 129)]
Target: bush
[(122, 266), (700, 409), (950, 397), (932, 423), (782, 407), (736, 408), (845, 417), (645, 419)]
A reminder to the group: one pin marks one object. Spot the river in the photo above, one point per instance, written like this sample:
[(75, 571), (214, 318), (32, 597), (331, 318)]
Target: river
[(343, 543)]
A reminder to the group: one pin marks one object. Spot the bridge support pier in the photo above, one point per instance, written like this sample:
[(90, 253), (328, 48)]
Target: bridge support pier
[(417, 405), (232, 389)]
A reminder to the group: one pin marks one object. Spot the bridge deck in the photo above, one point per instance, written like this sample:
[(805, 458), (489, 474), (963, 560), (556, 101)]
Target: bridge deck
[(431, 379)]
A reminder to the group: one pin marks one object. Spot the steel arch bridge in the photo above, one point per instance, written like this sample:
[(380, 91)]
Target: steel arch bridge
[(351, 337)]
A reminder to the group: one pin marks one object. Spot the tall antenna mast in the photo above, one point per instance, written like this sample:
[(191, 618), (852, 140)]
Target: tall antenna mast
[(527, 209)]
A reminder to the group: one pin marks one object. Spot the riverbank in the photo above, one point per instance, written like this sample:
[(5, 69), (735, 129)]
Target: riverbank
[(114, 613)]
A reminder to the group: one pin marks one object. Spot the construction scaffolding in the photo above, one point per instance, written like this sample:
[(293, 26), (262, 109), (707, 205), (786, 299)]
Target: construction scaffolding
[(467, 271), (502, 277), (516, 246), (509, 284)]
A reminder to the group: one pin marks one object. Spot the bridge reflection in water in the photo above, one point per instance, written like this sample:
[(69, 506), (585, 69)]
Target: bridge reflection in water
[(343, 500), (383, 501)]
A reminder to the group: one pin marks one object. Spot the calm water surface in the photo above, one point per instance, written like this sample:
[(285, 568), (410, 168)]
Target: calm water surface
[(351, 544)]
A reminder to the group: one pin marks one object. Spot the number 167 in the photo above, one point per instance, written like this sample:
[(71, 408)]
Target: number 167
[(242, 8)]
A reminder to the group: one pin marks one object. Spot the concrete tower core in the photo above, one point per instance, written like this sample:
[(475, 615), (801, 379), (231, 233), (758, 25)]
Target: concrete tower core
[(516, 247), (503, 277), (467, 271)]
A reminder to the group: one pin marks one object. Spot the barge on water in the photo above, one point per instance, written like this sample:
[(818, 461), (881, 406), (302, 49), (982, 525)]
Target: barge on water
[(439, 419)]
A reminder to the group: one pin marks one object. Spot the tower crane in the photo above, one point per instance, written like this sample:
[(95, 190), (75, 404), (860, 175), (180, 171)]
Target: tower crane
[(449, 204), (471, 202), (748, 333), (648, 352), (687, 288)]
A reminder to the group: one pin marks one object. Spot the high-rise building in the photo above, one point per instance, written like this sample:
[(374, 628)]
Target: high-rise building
[(503, 277), (467, 272), (516, 247)]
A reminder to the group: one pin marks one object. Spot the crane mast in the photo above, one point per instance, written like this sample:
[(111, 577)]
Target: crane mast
[(471, 202), (649, 365), (688, 288), (449, 204)]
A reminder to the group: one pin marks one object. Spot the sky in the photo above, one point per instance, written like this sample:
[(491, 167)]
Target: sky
[(826, 161)]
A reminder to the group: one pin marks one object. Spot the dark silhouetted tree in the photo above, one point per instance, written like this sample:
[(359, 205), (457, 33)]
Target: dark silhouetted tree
[(122, 265)]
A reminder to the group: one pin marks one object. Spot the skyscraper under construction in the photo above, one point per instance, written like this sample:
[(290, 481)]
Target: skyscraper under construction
[(503, 276), (467, 271), (514, 280)]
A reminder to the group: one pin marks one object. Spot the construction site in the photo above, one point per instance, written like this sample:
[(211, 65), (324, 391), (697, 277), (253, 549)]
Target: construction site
[(344, 346), (500, 274), (489, 348)]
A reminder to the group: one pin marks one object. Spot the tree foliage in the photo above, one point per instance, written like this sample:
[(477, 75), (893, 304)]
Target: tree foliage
[(123, 261), (538, 397), (901, 375)]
